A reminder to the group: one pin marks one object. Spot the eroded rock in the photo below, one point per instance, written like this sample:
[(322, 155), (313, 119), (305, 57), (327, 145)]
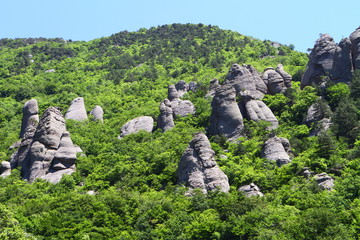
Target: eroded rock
[(30, 119), (226, 118), (181, 87), (77, 110), (97, 113), (355, 48), (324, 181), (251, 190), (5, 169), (165, 120), (257, 110), (277, 149), (198, 169), (145, 123)]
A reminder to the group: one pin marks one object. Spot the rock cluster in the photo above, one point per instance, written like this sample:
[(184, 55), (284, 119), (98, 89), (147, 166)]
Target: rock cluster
[(276, 80), (145, 123), (324, 181), (48, 153), (181, 108), (277, 149), (331, 61), (251, 190), (197, 168), (165, 120)]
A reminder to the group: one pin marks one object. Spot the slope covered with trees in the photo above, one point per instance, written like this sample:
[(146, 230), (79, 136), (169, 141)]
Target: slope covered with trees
[(134, 180)]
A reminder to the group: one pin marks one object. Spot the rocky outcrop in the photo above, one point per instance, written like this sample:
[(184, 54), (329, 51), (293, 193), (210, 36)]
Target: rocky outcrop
[(30, 119), (198, 169), (165, 120), (318, 117), (77, 110), (276, 80), (329, 61), (277, 149), (324, 181), (180, 108), (246, 78), (97, 113), (257, 110), (226, 118), (214, 85), (49, 152), (145, 123), (181, 87), (355, 48), (193, 86), (5, 169), (251, 190)]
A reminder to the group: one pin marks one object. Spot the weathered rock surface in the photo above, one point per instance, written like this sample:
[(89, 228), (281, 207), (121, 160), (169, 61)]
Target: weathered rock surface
[(50, 153), (182, 108), (198, 169), (274, 81), (329, 61), (355, 48), (277, 149), (181, 87), (226, 118), (246, 78), (173, 93), (257, 110), (318, 115), (193, 86), (165, 120), (145, 123), (286, 77), (324, 181), (251, 190), (30, 119), (77, 110), (97, 113), (214, 85), (5, 169)]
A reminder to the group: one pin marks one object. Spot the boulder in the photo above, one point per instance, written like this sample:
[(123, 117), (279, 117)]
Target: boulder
[(251, 190), (165, 120), (318, 116), (355, 48), (246, 78), (274, 81), (324, 181), (30, 119), (97, 113), (193, 86), (226, 118), (77, 110), (145, 123), (55, 176), (182, 108), (257, 110), (342, 67), (173, 93), (197, 168), (286, 77), (277, 149), (181, 87), (5, 169)]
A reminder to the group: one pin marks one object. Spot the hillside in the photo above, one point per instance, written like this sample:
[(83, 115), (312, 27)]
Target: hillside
[(129, 188)]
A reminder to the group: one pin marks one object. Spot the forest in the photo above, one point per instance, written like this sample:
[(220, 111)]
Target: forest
[(127, 188)]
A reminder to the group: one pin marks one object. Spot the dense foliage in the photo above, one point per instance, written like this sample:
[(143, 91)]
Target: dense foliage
[(134, 179)]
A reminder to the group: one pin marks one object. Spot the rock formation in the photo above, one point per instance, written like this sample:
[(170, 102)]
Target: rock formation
[(30, 119), (277, 81), (226, 118), (181, 87), (193, 86), (277, 149), (214, 85), (50, 153), (318, 116), (331, 61), (251, 190), (145, 123), (181, 108), (198, 169), (5, 169), (165, 120), (97, 113), (77, 110), (246, 78), (324, 181), (257, 110)]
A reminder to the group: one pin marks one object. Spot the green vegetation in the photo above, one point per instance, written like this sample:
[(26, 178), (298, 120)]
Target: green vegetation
[(134, 179)]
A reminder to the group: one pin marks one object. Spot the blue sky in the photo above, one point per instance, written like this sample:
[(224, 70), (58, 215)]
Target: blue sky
[(285, 21)]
